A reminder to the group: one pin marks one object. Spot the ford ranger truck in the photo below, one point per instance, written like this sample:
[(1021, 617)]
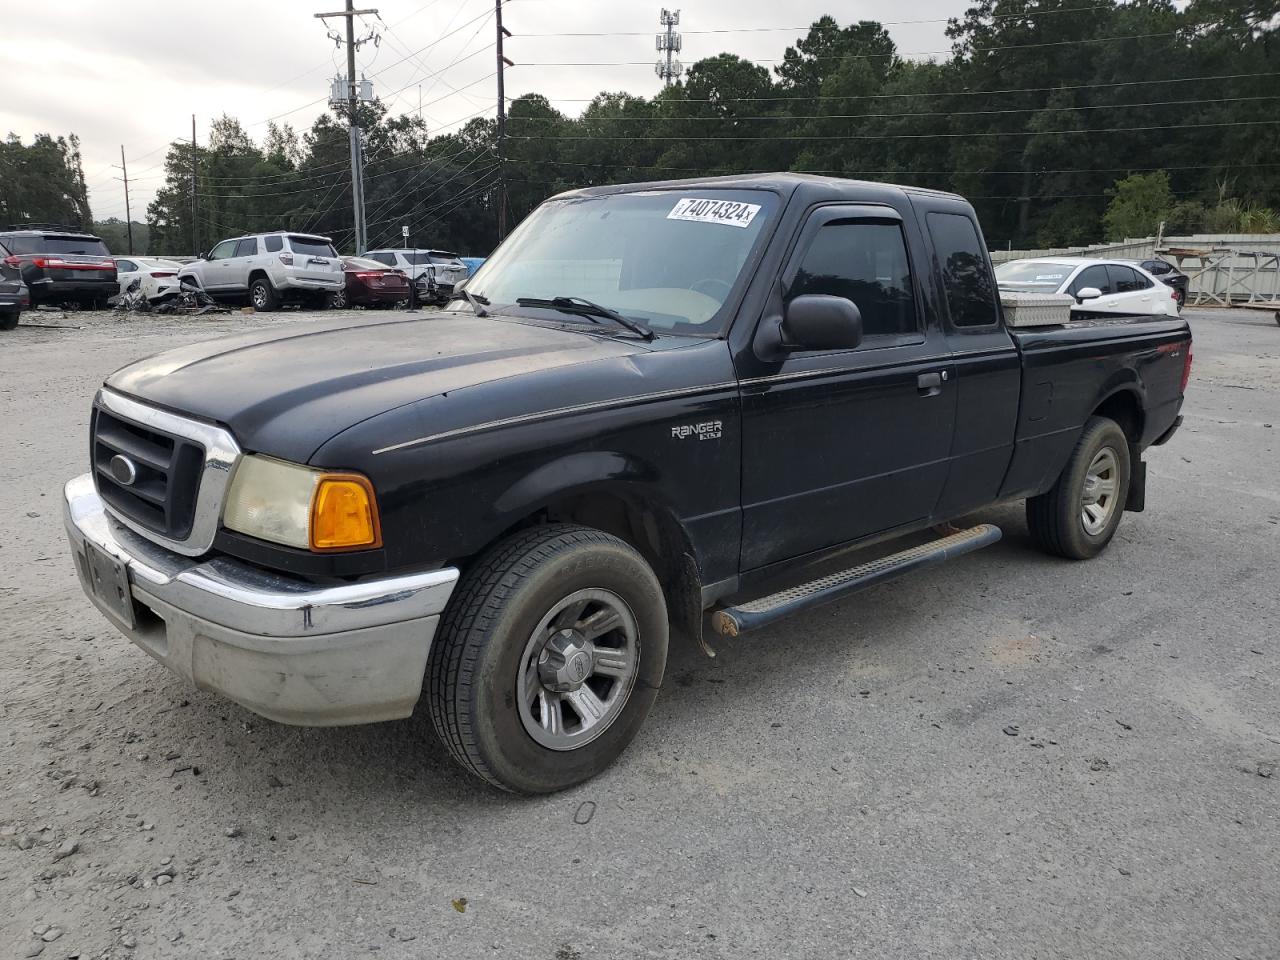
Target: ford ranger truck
[(663, 409)]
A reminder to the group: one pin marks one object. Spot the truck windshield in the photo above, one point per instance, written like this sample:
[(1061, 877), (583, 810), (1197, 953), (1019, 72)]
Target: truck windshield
[(668, 259), (1032, 274)]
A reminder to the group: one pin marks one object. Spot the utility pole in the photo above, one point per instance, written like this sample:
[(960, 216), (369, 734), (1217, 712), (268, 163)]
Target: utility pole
[(352, 99), (670, 42), (128, 217), (195, 235), (503, 63)]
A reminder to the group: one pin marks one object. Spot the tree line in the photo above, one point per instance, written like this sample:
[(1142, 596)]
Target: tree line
[(1064, 121)]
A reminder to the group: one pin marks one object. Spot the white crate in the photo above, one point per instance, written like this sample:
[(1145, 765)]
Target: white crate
[(1036, 309)]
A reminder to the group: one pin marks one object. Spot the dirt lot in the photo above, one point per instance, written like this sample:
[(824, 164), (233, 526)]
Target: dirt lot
[(1008, 757)]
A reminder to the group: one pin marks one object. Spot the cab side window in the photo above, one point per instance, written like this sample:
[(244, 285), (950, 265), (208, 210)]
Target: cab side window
[(865, 262), (1091, 277), (248, 247), (966, 278), (222, 250)]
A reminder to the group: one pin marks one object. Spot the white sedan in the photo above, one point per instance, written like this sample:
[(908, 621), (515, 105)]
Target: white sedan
[(1100, 287), (156, 278)]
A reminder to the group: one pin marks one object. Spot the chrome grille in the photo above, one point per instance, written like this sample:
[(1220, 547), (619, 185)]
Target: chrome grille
[(173, 487), (162, 496)]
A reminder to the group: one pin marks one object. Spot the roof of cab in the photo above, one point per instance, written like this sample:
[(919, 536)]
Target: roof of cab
[(783, 183)]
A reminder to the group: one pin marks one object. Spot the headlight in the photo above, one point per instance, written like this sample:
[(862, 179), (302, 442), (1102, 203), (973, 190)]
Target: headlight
[(301, 507)]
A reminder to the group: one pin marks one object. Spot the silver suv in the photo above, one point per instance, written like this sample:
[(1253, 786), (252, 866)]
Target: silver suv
[(270, 269)]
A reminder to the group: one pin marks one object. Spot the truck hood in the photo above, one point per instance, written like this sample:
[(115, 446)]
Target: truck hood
[(286, 392)]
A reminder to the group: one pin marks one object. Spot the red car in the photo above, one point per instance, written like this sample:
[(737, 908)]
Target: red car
[(370, 284)]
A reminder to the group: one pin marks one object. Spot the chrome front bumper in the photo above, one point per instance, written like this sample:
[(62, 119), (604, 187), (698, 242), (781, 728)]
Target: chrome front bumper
[(287, 649)]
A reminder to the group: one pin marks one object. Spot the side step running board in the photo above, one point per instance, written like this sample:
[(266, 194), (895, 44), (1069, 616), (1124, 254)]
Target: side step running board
[(731, 621)]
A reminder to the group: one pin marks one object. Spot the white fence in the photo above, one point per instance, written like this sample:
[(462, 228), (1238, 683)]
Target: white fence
[(1235, 266)]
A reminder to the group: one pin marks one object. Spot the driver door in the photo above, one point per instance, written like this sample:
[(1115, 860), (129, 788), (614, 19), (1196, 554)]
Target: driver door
[(841, 444), (213, 273)]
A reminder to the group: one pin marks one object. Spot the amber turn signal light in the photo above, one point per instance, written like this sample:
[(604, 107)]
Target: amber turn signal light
[(344, 513)]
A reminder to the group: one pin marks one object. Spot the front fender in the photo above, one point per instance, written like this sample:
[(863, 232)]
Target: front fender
[(573, 474)]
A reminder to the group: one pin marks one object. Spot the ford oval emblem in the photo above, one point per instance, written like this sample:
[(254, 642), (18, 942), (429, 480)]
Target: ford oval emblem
[(123, 470)]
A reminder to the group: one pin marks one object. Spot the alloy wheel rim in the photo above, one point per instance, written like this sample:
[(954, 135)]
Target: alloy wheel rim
[(1101, 488), (578, 669), (259, 296)]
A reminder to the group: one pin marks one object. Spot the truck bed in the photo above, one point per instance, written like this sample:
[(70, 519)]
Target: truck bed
[(1133, 364)]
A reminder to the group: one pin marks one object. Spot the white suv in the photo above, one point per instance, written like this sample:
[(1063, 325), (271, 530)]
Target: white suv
[(269, 268), (440, 269)]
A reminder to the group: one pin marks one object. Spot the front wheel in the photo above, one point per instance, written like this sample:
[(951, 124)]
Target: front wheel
[(548, 658), (338, 300), (1078, 517)]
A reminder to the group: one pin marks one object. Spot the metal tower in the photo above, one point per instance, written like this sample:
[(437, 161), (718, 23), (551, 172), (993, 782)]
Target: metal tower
[(670, 43)]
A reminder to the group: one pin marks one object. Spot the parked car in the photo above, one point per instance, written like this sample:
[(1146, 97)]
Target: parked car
[(60, 266), (14, 295), (269, 269), (156, 278), (471, 263), (370, 284), (437, 271), (1169, 275), (655, 406), (1101, 288)]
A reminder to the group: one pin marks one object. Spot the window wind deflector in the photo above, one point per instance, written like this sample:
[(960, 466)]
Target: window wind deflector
[(478, 301)]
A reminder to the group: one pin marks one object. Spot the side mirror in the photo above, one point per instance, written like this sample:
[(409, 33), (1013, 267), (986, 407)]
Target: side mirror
[(820, 322), (1087, 293)]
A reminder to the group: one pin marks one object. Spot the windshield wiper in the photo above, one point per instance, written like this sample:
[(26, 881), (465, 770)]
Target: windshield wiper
[(478, 301), (587, 308)]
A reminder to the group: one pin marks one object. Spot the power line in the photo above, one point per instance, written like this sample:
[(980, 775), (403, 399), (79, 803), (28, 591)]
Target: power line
[(815, 26), (873, 56), (929, 136), (705, 171), (788, 117), (946, 93)]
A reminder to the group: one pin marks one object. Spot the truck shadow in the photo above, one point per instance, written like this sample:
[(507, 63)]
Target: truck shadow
[(403, 763)]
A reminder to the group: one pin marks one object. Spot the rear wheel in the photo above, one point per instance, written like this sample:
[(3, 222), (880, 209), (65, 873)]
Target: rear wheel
[(548, 658), (263, 295), (1078, 517), (8, 319)]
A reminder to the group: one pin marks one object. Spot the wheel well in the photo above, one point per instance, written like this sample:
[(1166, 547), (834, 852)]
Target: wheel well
[(652, 531), (1125, 410), (258, 274)]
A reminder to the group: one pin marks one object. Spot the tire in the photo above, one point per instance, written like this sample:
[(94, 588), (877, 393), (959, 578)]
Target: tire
[(9, 319), (263, 296), (1060, 521), (489, 701)]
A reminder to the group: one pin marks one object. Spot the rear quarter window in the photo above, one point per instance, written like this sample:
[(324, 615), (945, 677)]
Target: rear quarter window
[(274, 244), (966, 279)]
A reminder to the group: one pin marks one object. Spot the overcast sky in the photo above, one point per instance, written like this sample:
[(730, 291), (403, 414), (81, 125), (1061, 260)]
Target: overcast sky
[(133, 73)]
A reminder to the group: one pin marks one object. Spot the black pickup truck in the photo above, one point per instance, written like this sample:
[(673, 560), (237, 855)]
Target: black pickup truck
[(664, 408)]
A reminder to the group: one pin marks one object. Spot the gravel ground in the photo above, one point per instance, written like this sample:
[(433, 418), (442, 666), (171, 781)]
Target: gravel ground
[(1010, 756)]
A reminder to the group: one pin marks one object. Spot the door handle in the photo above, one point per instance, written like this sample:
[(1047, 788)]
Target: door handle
[(930, 384)]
